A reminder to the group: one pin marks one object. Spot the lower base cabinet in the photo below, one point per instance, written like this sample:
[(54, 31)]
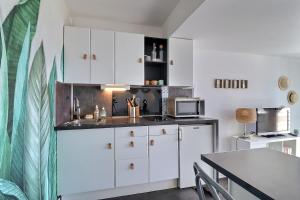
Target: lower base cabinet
[(85, 160), (131, 172), (163, 153)]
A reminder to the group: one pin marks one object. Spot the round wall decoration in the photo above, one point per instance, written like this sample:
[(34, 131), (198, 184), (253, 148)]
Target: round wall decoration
[(292, 97), (283, 82)]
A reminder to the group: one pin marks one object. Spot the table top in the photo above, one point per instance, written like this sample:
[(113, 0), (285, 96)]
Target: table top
[(265, 173), (260, 139)]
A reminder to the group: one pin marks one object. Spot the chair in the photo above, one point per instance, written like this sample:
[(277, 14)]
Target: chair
[(212, 186)]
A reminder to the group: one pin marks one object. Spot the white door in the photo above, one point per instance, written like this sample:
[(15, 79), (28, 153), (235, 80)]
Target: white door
[(85, 160), (129, 53), (193, 141), (76, 55), (163, 157), (102, 57), (180, 62)]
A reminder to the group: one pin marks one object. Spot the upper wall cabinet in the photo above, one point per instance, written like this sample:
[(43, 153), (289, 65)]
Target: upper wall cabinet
[(102, 56), (180, 62), (88, 56), (129, 53), (76, 55)]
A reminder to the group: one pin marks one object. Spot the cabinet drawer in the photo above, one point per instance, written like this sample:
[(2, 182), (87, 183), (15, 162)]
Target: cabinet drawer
[(126, 132), (135, 147), (163, 130), (131, 172)]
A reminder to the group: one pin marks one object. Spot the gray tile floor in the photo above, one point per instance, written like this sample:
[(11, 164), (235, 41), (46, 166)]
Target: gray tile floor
[(171, 194)]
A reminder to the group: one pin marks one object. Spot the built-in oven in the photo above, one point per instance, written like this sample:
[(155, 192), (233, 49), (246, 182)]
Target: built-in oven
[(185, 107)]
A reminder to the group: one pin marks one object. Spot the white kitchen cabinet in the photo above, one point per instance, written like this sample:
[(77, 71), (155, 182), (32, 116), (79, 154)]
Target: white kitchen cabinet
[(85, 160), (131, 155), (76, 55), (131, 171), (129, 54), (163, 152), (194, 140), (88, 56), (180, 62), (102, 57)]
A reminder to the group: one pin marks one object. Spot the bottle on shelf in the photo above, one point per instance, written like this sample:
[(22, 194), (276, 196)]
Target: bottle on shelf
[(154, 56), (161, 53)]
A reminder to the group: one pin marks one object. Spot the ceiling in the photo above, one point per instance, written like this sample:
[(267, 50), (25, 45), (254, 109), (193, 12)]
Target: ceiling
[(269, 27), (143, 12)]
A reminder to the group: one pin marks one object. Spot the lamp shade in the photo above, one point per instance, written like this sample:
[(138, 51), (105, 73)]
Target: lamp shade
[(246, 115)]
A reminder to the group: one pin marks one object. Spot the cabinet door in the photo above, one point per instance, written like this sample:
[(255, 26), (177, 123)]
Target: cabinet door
[(131, 171), (85, 160), (163, 157), (102, 57), (194, 141), (180, 62), (129, 53), (76, 55)]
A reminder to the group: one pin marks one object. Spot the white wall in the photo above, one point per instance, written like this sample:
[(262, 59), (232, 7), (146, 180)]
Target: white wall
[(180, 13), (117, 26), (262, 72)]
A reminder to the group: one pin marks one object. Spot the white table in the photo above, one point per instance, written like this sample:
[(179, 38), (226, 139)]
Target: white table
[(281, 143)]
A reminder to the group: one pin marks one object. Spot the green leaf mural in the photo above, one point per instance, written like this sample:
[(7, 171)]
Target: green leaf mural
[(52, 146), (17, 142), (37, 136), (15, 28), (4, 105), (10, 189)]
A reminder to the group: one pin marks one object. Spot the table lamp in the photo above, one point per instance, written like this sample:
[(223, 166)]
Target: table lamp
[(246, 116)]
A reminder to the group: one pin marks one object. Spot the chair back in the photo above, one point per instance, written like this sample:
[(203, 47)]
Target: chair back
[(214, 188)]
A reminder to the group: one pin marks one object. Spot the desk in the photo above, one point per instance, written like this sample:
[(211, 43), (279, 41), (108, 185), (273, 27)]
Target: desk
[(265, 173)]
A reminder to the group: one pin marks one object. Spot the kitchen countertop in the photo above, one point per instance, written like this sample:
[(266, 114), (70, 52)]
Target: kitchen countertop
[(112, 122)]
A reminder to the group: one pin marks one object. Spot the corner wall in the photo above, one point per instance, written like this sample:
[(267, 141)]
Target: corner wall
[(262, 72)]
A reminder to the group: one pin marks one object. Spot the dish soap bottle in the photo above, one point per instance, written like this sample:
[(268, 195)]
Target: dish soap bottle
[(96, 113), (103, 113)]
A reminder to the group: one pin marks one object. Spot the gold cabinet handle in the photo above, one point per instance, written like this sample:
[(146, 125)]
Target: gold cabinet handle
[(131, 144), (109, 146), (84, 56), (152, 142), (132, 133), (171, 62), (94, 57), (140, 60), (131, 166), (164, 131)]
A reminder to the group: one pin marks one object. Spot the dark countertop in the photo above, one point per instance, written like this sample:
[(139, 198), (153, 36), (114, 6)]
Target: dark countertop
[(112, 122), (265, 173)]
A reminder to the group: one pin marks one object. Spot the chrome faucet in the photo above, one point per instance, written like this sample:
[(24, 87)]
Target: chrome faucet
[(76, 108)]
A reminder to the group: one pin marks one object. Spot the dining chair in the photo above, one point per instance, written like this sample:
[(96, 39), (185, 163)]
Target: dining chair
[(214, 188)]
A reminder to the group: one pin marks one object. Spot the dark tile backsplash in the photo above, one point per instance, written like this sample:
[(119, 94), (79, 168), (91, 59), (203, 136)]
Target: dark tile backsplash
[(63, 102), (90, 96), (153, 100), (150, 101)]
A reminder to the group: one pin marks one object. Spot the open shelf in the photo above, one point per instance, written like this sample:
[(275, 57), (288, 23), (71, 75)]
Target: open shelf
[(157, 69)]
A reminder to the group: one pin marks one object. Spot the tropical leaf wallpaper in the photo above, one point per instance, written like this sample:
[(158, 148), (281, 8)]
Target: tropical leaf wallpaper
[(27, 110)]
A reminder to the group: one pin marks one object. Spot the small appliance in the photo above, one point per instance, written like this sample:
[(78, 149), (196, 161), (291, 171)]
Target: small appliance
[(185, 107)]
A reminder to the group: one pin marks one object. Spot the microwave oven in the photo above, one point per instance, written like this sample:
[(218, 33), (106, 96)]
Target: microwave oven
[(185, 107)]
